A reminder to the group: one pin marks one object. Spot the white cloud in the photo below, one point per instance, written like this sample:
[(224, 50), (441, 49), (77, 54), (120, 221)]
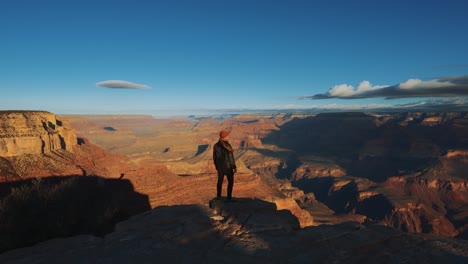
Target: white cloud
[(342, 90), (409, 84), (443, 87), (346, 90), (365, 86), (418, 84), (120, 84)]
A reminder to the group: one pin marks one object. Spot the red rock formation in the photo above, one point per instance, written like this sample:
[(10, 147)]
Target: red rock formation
[(38, 144)]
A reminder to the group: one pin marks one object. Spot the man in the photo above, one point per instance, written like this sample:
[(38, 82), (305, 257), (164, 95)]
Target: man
[(223, 157)]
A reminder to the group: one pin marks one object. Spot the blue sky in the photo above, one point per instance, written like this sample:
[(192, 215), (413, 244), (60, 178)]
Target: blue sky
[(207, 55)]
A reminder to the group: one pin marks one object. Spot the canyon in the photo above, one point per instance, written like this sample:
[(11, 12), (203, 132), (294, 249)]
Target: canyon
[(404, 172)]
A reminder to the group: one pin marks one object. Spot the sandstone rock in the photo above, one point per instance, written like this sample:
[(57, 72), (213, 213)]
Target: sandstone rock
[(251, 231), (304, 217), (40, 144), (26, 132)]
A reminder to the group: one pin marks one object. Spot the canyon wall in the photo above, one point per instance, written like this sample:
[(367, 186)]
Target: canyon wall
[(34, 132), (40, 144)]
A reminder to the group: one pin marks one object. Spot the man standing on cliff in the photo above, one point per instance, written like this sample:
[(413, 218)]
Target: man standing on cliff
[(223, 157)]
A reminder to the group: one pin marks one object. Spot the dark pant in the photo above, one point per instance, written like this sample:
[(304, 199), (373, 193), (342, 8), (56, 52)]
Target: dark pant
[(230, 177)]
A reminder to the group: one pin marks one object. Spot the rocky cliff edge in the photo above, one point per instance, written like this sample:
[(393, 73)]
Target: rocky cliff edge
[(244, 231)]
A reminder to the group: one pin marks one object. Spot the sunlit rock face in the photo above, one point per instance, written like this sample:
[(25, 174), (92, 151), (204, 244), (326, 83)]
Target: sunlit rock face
[(34, 132), (41, 144)]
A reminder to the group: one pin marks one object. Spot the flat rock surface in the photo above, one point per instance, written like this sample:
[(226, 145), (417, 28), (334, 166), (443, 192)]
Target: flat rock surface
[(240, 231)]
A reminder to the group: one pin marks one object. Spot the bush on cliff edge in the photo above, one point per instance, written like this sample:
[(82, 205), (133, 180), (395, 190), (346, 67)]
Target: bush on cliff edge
[(44, 209)]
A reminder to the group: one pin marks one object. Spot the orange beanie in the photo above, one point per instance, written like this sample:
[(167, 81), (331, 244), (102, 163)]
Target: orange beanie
[(223, 134)]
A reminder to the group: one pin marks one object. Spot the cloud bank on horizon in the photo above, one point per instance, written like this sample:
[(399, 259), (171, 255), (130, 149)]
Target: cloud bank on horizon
[(441, 87), (120, 84), (447, 103)]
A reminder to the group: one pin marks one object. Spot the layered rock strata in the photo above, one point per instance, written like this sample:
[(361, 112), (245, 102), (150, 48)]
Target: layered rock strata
[(34, 132), (41, 144)]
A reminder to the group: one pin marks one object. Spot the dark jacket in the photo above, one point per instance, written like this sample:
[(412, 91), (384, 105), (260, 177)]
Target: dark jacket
[(223, 158)]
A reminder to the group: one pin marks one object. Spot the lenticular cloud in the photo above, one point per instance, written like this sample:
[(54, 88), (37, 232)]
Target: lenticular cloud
[(442, 87), (119, 84)]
